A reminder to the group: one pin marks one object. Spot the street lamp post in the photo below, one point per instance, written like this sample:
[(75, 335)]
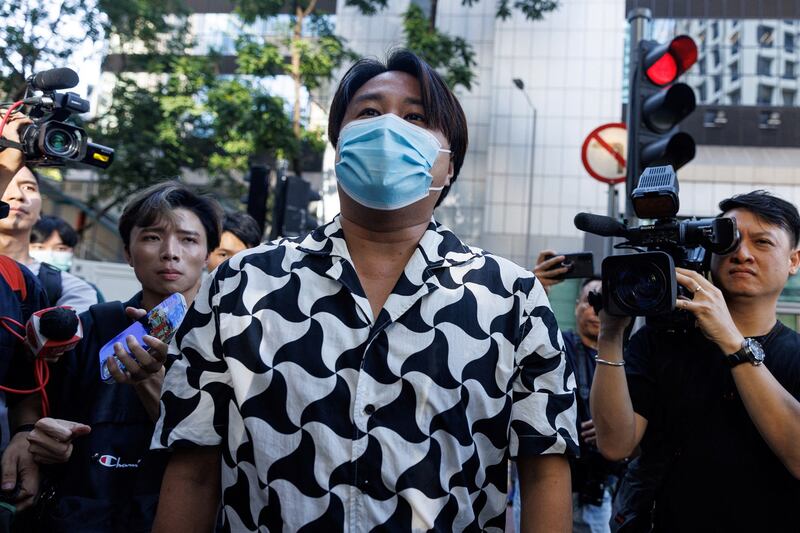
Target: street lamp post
[(521, 86)]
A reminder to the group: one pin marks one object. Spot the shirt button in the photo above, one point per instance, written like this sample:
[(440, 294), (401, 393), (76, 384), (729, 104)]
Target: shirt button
[(369, 409)]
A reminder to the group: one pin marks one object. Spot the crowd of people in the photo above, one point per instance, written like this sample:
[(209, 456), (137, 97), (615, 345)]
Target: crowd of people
[(380, 374)]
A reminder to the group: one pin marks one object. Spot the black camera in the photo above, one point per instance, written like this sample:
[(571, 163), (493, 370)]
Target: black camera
[(644, 284), (50, 140)]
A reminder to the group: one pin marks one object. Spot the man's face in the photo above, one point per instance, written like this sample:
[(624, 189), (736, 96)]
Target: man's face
[(169, 256), (586, 319), (53, 243), (229, 245), (762, 263), (397, 93), (25, 201)]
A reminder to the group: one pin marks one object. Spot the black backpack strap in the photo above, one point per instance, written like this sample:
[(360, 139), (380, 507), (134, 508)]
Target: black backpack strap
[(50, 277), (107, 317)]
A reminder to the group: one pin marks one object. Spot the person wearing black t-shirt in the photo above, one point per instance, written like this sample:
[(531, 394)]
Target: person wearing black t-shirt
[(720, 404)]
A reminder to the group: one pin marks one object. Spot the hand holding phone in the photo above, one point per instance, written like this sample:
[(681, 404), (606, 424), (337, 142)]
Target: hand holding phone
[(129, 357), (568, 266)]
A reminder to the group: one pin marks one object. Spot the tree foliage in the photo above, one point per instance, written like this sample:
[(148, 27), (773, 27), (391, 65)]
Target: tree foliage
[(454, 57), (39, 34), (532, 9)]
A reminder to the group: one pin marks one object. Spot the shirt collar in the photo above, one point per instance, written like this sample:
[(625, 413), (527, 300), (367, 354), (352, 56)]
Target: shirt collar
[(439, 247)]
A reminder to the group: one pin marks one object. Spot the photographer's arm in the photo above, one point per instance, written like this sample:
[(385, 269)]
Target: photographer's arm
[(11, 159), (773, 410), (619, 429), (190, 491)]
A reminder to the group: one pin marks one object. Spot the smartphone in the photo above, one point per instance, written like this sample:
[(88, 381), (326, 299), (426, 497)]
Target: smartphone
[(161, 322), (581, 265)]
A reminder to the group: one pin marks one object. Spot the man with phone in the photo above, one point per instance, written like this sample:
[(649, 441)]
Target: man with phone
[(103, 475)]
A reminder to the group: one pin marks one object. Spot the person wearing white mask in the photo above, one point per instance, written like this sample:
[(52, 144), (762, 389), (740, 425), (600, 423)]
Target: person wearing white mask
[(25, 202), (377, 373), (53, 242)]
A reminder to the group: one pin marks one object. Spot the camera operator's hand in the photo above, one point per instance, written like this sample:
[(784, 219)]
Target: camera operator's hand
[(50, 441), (710, 309), (11, 159), (20, 471), (548, 270), (612, 327)]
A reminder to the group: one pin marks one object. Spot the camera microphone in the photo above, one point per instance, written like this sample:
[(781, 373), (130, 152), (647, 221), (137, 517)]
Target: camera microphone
[(600, 225), (54, 79), (51, 332)]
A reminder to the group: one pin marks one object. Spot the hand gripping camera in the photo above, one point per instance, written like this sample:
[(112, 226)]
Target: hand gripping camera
[(50, 141), (644, 284)]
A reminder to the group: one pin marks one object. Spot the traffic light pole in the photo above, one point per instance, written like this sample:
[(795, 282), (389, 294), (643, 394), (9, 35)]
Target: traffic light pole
[(638, 18)]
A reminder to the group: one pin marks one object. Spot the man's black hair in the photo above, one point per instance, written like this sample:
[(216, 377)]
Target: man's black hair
[(590, 279), (768, 208), (442, 110), (47, 224), (160, 201), (244, 227)]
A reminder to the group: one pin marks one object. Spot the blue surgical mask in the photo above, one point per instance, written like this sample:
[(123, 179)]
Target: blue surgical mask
[(60, 259), (385, 162)]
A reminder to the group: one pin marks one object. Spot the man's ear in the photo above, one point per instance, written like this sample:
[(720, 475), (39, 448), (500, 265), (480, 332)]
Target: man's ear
[(127, 255), (794, 261)]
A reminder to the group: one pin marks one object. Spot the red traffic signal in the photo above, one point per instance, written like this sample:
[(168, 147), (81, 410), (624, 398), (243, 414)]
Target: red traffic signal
[(665, 63)]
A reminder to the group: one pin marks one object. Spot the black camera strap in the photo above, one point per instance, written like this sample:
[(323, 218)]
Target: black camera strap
[(5, 143)]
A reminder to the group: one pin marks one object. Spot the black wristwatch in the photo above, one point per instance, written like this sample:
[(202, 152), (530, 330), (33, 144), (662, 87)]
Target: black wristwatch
[(750, 352)]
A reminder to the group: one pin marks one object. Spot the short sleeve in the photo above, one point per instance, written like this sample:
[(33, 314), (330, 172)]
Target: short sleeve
[(196, 393), (543, 411), (76, 293), (640, 373)]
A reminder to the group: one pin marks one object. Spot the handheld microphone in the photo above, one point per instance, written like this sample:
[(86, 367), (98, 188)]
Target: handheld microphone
[(600, 225), (52, 331), (54, 79)]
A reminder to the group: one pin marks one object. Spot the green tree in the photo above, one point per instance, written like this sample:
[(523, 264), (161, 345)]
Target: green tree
[(40, 34), (314, 52), (452, 56)]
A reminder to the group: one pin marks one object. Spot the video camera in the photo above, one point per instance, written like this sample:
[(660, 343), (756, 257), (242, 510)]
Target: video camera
[(50, 141), (644, 284)]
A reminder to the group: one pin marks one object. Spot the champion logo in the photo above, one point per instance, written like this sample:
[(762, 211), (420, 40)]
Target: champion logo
[(110, 461)]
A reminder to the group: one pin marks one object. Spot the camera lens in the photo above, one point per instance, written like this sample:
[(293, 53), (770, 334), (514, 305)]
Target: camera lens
[(60, 143), (640, 289)]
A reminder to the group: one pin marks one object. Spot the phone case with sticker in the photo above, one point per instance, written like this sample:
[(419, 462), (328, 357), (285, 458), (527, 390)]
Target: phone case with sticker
[(161, 322)]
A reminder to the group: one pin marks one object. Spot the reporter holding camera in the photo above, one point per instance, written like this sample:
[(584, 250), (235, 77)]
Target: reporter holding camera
[(720, 427)]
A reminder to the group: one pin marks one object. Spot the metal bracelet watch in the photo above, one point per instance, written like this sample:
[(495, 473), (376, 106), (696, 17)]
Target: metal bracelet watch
[(750, 352)]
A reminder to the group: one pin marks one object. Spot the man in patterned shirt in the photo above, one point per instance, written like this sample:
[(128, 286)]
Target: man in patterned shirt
[(376, 374)]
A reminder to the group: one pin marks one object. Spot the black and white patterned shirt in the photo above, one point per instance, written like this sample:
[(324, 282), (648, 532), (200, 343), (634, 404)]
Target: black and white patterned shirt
[(330, 419)]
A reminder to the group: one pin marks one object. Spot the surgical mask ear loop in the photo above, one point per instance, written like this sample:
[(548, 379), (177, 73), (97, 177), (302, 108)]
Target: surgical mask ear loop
[(432, 189)]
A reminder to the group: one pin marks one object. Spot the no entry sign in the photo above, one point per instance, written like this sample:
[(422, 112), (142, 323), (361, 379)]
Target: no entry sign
[(603, 153)]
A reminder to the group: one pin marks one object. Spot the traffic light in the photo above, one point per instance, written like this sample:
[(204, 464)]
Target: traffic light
[(657, 105), (292, 216)]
